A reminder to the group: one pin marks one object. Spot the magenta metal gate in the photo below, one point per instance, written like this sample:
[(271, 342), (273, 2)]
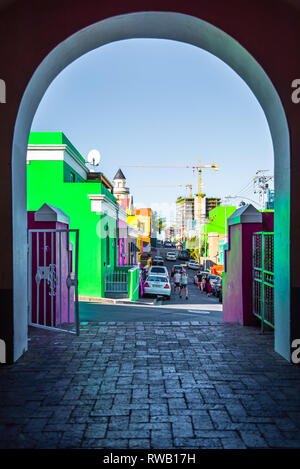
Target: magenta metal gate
[(53, 279)]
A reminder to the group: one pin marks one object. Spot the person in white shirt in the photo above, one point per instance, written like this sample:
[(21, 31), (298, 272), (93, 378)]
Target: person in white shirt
[(177, 279), (183, 284)]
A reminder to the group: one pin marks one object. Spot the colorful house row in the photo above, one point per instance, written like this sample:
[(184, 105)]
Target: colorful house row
[(57, 175), (141, 219)]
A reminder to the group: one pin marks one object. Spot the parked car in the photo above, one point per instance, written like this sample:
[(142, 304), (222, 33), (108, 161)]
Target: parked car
[(167, 244), (192, 264), (171, 256), (217, 289), (157, 260), (184, 255), (158, 270), (157, 285), (177, 268)]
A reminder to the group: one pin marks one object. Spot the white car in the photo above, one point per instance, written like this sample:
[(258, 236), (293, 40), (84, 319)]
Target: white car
[(192, 264), (157, 285), (157, 260), (171, 256), (158, 270)]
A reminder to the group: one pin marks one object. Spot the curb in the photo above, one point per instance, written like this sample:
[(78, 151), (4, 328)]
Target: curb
[(113, 301)]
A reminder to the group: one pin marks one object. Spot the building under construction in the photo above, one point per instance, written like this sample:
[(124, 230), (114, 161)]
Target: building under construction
[(170, 233), (210, 204), (190, 209), (184, 213)]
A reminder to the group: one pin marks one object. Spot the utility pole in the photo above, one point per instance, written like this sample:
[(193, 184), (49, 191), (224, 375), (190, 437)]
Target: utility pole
[(261, 186)]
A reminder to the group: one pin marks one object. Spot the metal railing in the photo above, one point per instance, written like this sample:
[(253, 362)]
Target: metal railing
[(263, 277), (116, 282)]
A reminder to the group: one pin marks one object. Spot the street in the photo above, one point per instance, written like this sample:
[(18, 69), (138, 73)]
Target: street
[(197, 307)]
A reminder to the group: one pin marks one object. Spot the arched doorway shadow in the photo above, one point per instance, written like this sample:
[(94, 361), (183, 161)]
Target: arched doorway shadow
[(183, 28)]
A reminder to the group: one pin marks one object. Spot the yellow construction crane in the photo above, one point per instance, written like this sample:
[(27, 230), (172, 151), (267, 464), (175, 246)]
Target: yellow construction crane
[(197, 168), (200, 195)]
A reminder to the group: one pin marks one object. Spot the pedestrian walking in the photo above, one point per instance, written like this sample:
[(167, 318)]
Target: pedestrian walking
[(184, 284), (199, 280), (208, 287), (203, 283), (177, 280)]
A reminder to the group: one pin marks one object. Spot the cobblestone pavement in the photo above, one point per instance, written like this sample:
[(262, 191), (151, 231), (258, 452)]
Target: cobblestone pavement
[(150, 385)]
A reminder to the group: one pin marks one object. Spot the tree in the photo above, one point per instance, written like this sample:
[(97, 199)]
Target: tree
[(202, 249)]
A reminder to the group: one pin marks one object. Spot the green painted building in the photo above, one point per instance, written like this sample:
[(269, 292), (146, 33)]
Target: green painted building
[(218, 220), (57, 175)]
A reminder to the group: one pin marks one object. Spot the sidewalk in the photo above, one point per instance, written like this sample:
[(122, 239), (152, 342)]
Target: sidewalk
[(150, 385)]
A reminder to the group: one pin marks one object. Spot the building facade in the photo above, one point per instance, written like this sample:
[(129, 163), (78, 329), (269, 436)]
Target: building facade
[(184, 215), (57, 175)]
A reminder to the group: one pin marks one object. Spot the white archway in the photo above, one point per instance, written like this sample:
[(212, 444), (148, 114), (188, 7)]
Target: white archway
[(161, 25)]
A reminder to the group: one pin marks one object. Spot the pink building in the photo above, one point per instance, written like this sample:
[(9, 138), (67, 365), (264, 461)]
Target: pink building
[(237, 278)]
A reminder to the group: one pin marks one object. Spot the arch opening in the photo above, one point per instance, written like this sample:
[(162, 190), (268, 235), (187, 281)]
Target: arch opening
[(161, 25)]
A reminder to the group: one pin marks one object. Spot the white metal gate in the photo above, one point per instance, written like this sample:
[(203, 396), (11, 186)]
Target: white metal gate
[(53, 279)]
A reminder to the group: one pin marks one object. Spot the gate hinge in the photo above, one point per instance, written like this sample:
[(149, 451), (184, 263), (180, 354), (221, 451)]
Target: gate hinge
[(71, 282)]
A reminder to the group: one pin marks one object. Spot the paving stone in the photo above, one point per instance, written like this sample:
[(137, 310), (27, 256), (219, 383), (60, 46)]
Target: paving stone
[(161, 442), (118, 434), (202, 421), (35, 425), (139, 444), (143, 385), (189, 443), (233, 443), (158, 409), (138, 416), (95, 430), (253, 440)]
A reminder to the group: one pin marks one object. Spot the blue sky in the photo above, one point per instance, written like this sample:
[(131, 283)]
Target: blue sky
[(150, 101)]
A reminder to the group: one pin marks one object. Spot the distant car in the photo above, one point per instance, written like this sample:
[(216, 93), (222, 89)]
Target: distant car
[(192, 264), (157, 285), (217, 289), (167, 244), (158, 270), (157, 260), (177, 268), (171, 256), (184, 255)]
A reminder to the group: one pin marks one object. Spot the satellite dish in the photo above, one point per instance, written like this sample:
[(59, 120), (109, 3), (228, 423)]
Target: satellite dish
[(94, 157)]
